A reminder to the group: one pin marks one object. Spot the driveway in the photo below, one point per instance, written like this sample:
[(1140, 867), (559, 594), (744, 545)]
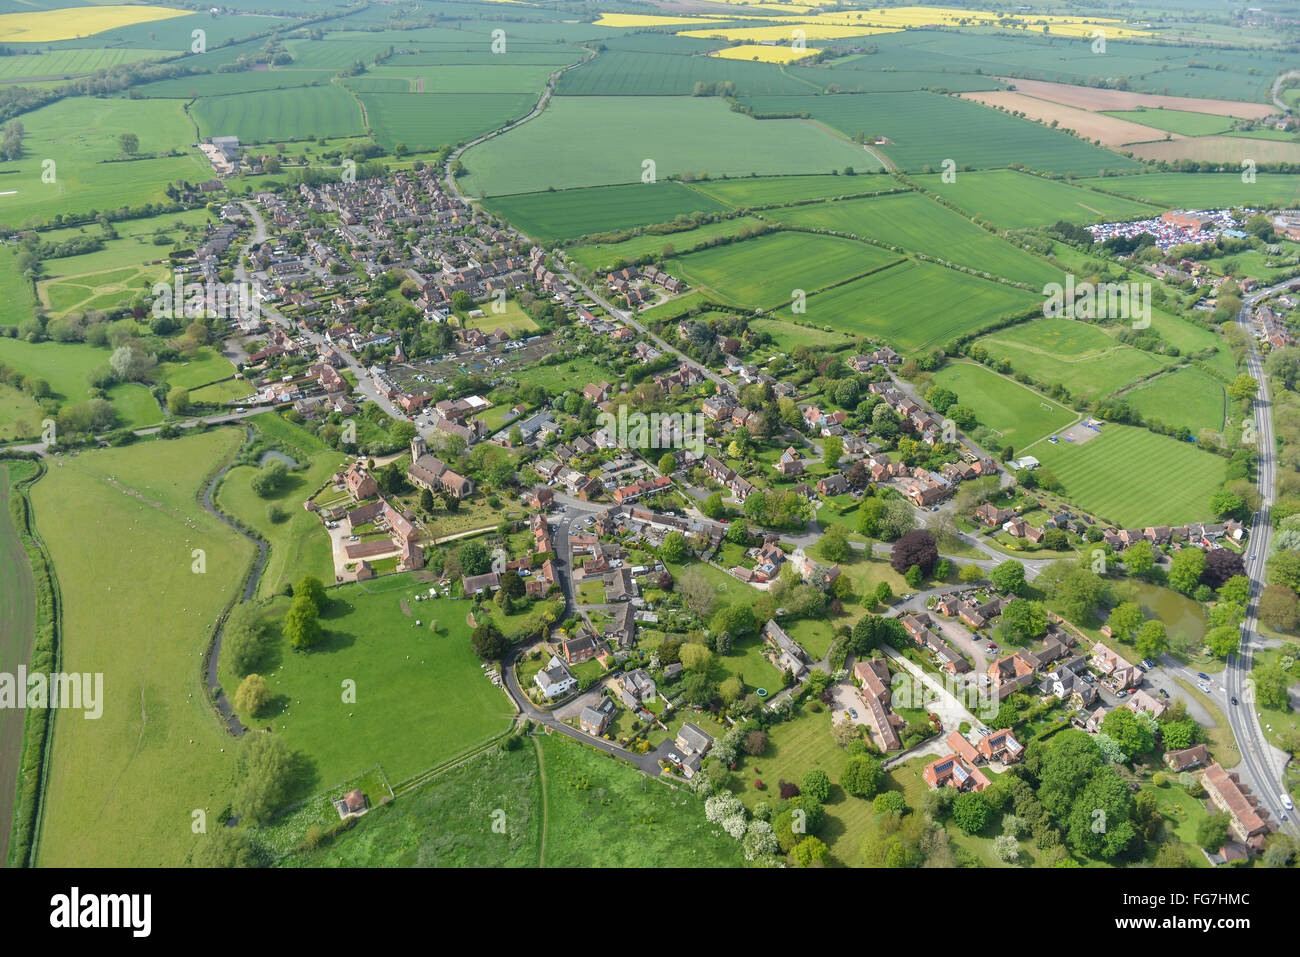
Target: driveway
[(950, 711)]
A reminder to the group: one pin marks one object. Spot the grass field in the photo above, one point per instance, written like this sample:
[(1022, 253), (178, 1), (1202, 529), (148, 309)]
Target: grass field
[(80, 135), (919, 224), (106, 517), (207, 365), (1175, 121), (226, 84), (887, 304), (64, 63), (926, 128), (428, 121), (134, 246), (65, 366), (1122, 476), (1014, 200), (1078, 355), (1205, 190), (17, 626), (1018, 413), (565, 214), (100, 290), (787, 335), (1186, 397), (272, 116), (767, 270), (694, 135), (20, 414), (628, 73), (421, 697), (776, 190), (600, 257)]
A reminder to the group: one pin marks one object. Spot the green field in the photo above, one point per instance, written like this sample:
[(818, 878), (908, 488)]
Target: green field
[(20, 414), (17, 626), (488, 78), (1017, 413), (568, 213), (1205, 190), (692, 135), (207, 365), (777, 190), (1122, 476), (767, 270), (80, 136), (628, 73), (65, 366), (919, 224), (1186, 397), (926, 128), (421, 697), (16, 297), (1078, 355), (1176, 121), (134, 246), (64, 63), (428, 121), (787, 335), (916, 305), (104, 290), (600, 257), (223, 84), (1014, 200), (121, 525), (273, 116)]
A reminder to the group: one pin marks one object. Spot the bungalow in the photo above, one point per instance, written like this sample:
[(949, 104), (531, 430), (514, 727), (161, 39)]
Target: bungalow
[(478, 584)]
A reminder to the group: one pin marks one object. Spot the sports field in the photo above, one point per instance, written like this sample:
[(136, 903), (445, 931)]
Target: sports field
[(602, 256), (272, 116), (421, 696), (766, 271), (121, 526), (1018, 414), (1176, 121), (916, 305), (1205, 190), (1122, 476), (677, 135), (919, 224), (1186, 397), (1014, 200), (568, 213), (1078, 355), (428, 121)]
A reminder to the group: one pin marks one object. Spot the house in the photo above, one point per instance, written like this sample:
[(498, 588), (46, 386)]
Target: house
[(555, 679), (1000, 746), (953, 771), (992, 516), (873, 681), (478, 584), (1187, 758), (1109, 663), (359, 482), (835, 484), (580, 648), (962, 747), (540, 497), (788, 654), (639, 684), (1141, 700), (595, 720), (352, 804), (693, 744), (1228, 794)]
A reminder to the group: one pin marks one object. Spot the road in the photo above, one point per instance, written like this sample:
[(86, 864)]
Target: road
[(1275, 90)]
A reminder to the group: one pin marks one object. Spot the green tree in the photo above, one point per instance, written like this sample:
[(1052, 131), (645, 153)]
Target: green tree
[(266, 772), (1023, 620), (1185, 570), (834, 545), (244, 640), (862, 776), (1139, 559), (810, 852), (252, 695), (311, 586), (302, 624), (713, 506), (817, 785), (1223, 641), (1212, 831), (667, 464), (178, 400), (1008, 577), (970, 812), (1152, 640), (673, 549), (1125, 618), (270, 478), (696, 657)]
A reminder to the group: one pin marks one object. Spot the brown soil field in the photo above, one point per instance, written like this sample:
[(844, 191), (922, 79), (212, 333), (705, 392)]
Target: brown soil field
[(1087, 98), (1110, 130), (1221, 149)]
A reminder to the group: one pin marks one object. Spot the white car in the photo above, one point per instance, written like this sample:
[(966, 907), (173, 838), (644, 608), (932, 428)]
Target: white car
[(1286, 802)]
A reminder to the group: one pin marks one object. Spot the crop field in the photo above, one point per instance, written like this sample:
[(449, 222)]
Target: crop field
[(1095, 98), (925, 129), (1017, 413), (516, 78), (568, 213), (691, 135), (427, 121), (106, 516), (224, 84), (80, 136), (1175, 121), (777, 190), (766, 271), (1185, 397), (1205, 190), (1014, 200), (916, 305), (426, 683), (1078, 355), (63, 63), (1122, 476), (42, 26), (1221, 149), (919, 224), (1110, 130), (626, 73), (602, 257), (874, 80), (272, 116)]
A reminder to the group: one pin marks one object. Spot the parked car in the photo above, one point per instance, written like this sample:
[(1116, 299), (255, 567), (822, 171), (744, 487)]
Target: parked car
[(1121, 693), (1165, 694), (1286, 802), (853, 713), (1148, 664)]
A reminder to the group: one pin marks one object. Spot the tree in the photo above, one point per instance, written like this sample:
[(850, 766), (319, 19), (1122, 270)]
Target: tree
[(1100, 818), (969, 574), (832, 451), (970, 812), (1212, 831), (696, 657), (1226, 503), (756, 744), (1132, 733), (713, 507), (697, 689), (1222, 641), (311, 586), (1177, 735), (810, 852), (1125, 618), (266, 768), (1007, 848), (1139, 559), (698, 593), (1023, 620), (1221, 565), (178, 400), (1185, 570), (474, 558), (302, 625), (917, 548), (1152, 640), (1008, 577), (1271, 686), (667, 464), (244, 639), (817, 785), (673, 549), (884, 593), (129, 142), (226, 847), (252, 695), (1236, 589), (1243, 387), (270, 478), (1279, 608), (862, 776), (488, 642), (834, 545)]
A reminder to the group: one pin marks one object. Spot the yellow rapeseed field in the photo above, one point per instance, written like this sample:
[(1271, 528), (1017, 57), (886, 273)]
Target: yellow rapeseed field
[(647, 20), (69, 23), (765, 54)]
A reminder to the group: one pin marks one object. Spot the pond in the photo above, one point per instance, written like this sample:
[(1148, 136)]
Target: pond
[(278, 456), (1181, 615)]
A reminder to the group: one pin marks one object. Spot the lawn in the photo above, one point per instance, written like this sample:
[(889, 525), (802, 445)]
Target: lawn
[(678, 135), (421, 697), (1015, 200), (568, 213), (1123, 476), (1018, 414), (768, 271), (1186, 397), (919, 224), (207, 365), (512, 319), (143, 621)]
